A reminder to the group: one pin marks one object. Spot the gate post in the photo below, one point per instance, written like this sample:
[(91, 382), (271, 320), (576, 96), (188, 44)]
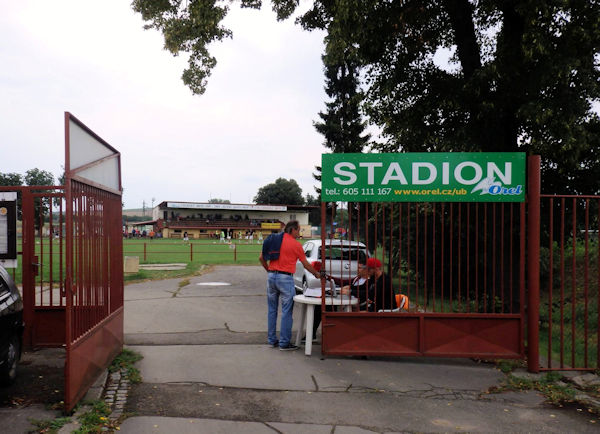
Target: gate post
[(533, 262), (27, 264)]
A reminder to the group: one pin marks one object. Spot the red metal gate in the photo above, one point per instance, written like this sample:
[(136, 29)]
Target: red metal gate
[(462, 266), (94, 257), (72, 260), (570, 283), (43, 265)]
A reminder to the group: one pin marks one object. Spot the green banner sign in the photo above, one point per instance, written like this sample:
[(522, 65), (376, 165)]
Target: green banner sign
[(424, 177)]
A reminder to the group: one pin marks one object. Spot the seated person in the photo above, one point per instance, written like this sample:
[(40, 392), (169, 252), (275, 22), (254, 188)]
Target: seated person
[(358, 287), (380, 295)]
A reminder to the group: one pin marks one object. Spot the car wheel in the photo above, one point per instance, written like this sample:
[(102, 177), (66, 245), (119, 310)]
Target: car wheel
[(8, 373)]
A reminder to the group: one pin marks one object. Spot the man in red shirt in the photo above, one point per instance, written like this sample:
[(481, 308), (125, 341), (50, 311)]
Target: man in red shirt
[(280, 283)]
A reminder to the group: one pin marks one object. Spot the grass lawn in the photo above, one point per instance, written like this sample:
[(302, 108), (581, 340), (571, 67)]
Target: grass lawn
[(159, 251), (163, 251)]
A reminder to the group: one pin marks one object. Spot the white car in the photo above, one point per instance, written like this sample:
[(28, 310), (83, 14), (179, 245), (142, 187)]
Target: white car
[(340, 263)]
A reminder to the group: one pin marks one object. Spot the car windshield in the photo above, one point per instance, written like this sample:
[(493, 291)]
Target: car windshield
[(339, 253)]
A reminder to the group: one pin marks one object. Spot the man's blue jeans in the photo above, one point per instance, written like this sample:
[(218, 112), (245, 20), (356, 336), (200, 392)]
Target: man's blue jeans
[(280, 285)]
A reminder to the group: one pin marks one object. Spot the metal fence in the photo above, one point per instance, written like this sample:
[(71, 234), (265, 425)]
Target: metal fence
[(149, 251), (570, 282), (462, 266), (94, 285)]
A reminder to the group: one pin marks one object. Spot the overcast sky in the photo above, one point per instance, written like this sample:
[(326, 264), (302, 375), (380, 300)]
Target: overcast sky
[(93, 59)]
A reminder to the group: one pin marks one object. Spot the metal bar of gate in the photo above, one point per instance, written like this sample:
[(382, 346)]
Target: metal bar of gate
[(533, 225)]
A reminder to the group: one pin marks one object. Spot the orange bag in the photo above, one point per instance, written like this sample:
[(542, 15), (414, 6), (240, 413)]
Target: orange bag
[(402, 302)]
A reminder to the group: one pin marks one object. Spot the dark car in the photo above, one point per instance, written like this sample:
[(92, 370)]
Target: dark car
[(11, 328)]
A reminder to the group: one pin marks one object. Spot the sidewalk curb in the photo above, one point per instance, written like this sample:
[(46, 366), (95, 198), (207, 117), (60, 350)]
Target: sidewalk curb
[(93, 394), (117, 389)]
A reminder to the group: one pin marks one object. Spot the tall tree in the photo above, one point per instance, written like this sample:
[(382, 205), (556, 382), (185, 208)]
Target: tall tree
[(11, 179), (342, 124), (522, 74), (41, 206), (38, 177), (314, 215), (281, 192)]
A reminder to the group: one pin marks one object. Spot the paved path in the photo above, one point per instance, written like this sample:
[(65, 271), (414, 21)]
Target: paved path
[(207, 369)]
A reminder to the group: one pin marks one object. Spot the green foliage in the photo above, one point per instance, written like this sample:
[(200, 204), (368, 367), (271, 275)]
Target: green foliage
[(508, 365), (521, 75), (32, 177), (547, 385), (566, 303), (50, 426), (11, 179), (41, 206), (126, 360), (189, 28), (216, 200), (314, 216), (94, 420), (135, 218), (281, 192), (521, 78), (38, 177), (342, 124)]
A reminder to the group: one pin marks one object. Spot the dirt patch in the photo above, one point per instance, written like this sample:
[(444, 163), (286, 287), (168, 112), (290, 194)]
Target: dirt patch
[(40, 380)]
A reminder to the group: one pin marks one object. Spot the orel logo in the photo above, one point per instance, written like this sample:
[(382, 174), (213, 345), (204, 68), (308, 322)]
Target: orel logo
[(489, 185)]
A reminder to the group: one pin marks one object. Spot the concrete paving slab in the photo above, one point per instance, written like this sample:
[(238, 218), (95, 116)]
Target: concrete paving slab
[(259, 366), (170, 425), (18, 420), (163, 307), (202, 337), (151, 289), (191, 314)]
